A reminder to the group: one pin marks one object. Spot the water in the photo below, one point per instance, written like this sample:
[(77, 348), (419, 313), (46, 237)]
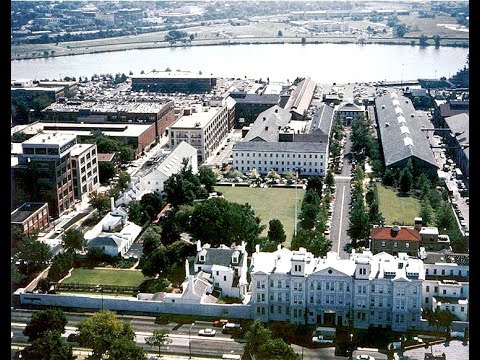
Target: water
[(325, 63)]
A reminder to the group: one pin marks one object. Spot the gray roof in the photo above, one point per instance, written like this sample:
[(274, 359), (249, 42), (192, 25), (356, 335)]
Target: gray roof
[(400, 133), (266, 126), (256, 98), (460, 124), (302, 96), (322, 119), (110, 240), (446, 257), (216, 256), (348, 106), (295, 147)]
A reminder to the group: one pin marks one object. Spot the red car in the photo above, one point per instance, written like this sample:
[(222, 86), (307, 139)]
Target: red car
[(220, 322)]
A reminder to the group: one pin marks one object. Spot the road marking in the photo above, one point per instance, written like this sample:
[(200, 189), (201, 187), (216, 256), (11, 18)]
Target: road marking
[(341, 216)]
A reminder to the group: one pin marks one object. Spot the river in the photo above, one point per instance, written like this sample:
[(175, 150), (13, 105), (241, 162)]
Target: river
[(324, 63)]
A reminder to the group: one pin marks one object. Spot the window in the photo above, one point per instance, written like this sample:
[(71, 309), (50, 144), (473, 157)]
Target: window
[(426, 300), (407, 245), (383, 243), (427, 289), (395, 244), (444, 291), (224, 278), (434, 271), (435, 289), (443, 271), (279, 309)]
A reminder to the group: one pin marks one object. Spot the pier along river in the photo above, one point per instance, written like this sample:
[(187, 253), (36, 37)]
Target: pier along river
[(324, 63)]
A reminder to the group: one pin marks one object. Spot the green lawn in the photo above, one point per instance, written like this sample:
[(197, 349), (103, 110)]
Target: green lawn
[(268, 204), (397, 208), (119, 277)]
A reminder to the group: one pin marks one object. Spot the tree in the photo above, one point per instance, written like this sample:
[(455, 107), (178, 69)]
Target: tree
[(159, 338), (280, 33), (423, 40), (100, 202), (304, 40), (45, 321), (207, 178), (276, 233), (315, 183), (276, 349), (61, 265), (400, 30), (426, 212), (359, 222), (444, 217), (406, 180), (137, 214), (50, 346), (309, 215), (106, 170), (329, 179), (100, 330), (31, 255), (153, 201), (125, 349), (73, 240), (255, 336), (123, 180)]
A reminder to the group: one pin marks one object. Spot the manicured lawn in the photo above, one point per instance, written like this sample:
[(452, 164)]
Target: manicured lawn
[(119, 277), (268, 204), (397, 208)]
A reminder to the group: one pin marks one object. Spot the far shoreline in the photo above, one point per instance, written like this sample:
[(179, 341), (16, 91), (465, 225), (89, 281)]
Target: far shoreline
[(451, 42)]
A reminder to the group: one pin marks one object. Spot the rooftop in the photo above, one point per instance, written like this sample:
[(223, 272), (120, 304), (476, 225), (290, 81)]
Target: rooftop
[(24, 211), (133, 130), (173, 75), (54, 138), (198, 119)]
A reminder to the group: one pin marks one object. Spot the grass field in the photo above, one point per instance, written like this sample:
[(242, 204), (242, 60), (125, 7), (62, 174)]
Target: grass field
[(105, 277), (397, 208), (268, 204)]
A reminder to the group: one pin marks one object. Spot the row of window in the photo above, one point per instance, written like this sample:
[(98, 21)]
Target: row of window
[(266, 169), (459, 273), (299, 156), (282, 163)]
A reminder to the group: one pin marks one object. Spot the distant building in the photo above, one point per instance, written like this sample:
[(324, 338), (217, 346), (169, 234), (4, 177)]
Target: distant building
[(30, 217), (128, 14), (272, 143), (365, 290), (348, 111), (446, 285), (459, 139), (44, 172), (227, 266), (70, 88), (301, 98), (84, 170), (173, 163), (173, 81), (401, 136), (249, 106), (203, 127), (394, 240), (105, 112), (27, 91), (141, 137)]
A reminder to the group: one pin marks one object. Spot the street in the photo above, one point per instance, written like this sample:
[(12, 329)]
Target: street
[(340, 218)]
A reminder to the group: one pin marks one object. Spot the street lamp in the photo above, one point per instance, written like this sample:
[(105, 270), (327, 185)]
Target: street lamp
[(101, 292), (190, 341)]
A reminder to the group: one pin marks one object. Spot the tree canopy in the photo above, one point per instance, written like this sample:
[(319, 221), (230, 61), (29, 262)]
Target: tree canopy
[(73, 240), (45, 321), (101, 330)]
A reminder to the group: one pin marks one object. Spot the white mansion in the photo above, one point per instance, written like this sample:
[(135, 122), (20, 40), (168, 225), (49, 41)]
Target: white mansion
[(379, 290)]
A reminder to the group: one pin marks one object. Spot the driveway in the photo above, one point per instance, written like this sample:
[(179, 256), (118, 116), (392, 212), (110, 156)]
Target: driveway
[(340, 218)]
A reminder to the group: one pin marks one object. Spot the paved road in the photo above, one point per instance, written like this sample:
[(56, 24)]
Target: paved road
[(183, 338), (340, 219)]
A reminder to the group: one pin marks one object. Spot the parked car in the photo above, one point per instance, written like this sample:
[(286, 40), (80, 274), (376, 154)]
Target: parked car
[(207, 332), (365, 357), (229, 327), (220, 322)]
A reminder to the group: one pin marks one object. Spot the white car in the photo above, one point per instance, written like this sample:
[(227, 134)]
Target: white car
[(207, 332), (365, 357)]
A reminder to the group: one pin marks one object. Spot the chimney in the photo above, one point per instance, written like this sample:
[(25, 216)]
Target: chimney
[(279, 247), (190, 282), (394, 230), (112, 204), (243, 246), (257, 248), (199, 245), (418, 223), (187, 268)]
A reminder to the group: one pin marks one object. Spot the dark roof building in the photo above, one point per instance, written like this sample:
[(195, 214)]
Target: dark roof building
[(300, 99), (454, 107), (459, 139), (400, 134)]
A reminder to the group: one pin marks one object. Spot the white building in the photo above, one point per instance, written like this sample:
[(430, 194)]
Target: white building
[(227, 266), (84, 169), (379, 290), (272, 143), (173, 163), (203, 127), (446, 285)]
